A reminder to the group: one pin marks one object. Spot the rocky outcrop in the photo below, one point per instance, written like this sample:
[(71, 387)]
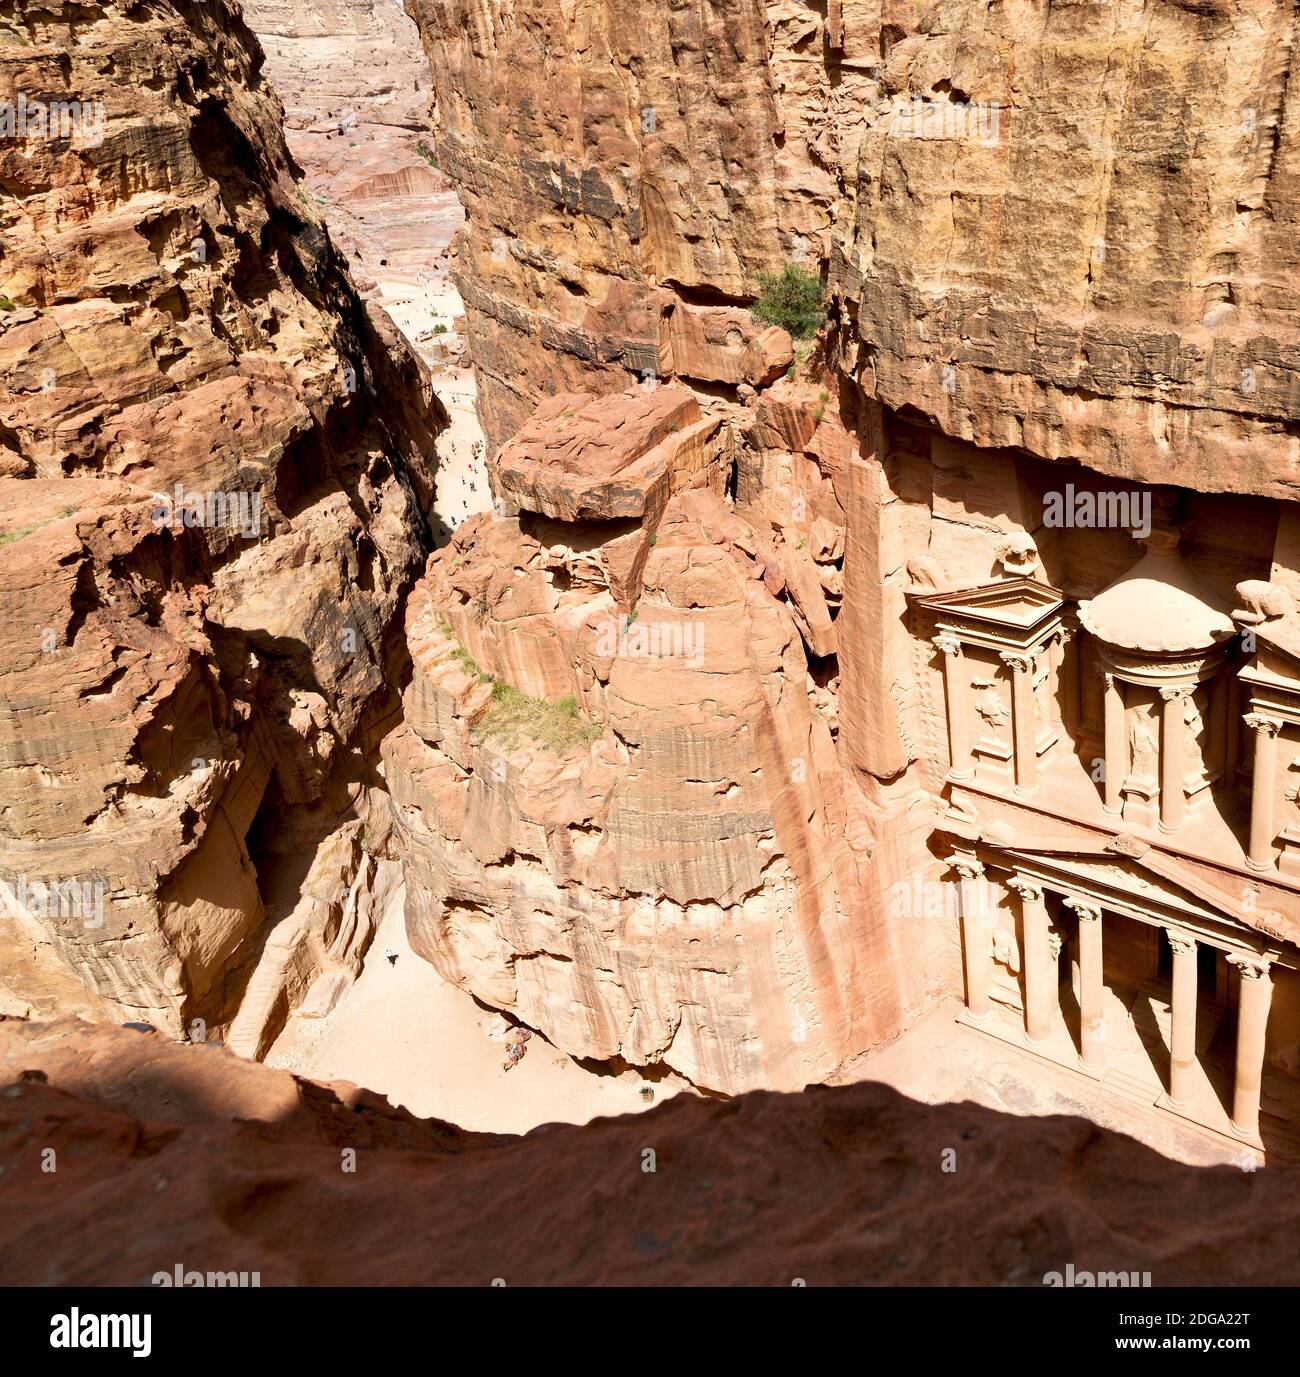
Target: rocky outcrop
[(170, 1156), (616, 790), (214, 471)]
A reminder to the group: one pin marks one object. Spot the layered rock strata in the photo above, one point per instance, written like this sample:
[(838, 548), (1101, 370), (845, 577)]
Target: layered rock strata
[(1030, 296), (1018, 265), (214, 471), (617, 789)]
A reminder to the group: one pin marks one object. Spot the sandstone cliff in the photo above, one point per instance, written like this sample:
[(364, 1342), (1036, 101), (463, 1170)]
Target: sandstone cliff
[(214, 473), (1069, 229), (1050, 237)]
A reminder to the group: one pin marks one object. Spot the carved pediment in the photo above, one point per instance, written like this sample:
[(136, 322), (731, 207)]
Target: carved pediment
[(1128, 875), (1123, 882), (1019, 604)]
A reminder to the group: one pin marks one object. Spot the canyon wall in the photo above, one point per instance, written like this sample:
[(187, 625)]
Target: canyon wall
[(1056, 242), (213, 462), (1065, 227)]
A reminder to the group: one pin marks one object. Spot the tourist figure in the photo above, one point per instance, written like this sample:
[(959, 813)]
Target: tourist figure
[(516, 1046)]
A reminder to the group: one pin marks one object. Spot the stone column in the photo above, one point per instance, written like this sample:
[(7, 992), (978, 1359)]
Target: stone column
[(1218, 733), (1182, 1052), (1252, 1023), (1024, 725), (956, 692), (1092, 1031), (1116, 744), (1173, 758), (1040, 978), (976, 935), (1262, 790)]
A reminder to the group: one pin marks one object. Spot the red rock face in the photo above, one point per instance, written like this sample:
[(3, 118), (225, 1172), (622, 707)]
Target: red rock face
[(210, 521), (1013, 280), (1021, 269), (666, 869), (837, 1186)]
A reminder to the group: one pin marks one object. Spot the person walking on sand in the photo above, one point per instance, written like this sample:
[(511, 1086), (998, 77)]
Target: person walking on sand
[(516, 1046)]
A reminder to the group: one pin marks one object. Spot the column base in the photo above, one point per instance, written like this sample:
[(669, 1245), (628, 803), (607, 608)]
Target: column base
[(1169, 827), (1259, 865), (1248, 1135)]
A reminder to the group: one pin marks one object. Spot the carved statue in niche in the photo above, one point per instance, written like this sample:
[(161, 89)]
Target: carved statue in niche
[(1292, 791), (1197, 748), (989, 703), (1143, 745)]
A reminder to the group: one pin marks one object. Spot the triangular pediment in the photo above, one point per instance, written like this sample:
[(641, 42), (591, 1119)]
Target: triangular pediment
[(1128, 875), (1020, 603)]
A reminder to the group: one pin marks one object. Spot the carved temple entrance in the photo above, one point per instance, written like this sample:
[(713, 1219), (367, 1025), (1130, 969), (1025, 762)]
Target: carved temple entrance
[(1122, 974)]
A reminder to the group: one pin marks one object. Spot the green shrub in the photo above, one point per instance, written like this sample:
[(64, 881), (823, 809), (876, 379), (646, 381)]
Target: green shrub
[(512, 714), (8, 537), (793, 299), (560, 726)]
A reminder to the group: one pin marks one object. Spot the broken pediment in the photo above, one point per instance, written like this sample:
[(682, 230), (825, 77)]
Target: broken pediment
[(1131, 878), (1018, 613)]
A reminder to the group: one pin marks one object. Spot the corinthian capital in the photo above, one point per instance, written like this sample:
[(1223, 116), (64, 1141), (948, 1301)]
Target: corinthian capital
[(1176, 691), (1030, 891), (967, 867), (1087, 913), (1251, 967), (949, 645), (1180, 941), (1017, 661), (1261, 722)]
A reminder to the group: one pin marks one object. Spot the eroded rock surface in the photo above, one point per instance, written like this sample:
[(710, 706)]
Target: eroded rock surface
[(1057, 247), (1003, 200), (188, 1155), (617, 788), (210, 524)]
